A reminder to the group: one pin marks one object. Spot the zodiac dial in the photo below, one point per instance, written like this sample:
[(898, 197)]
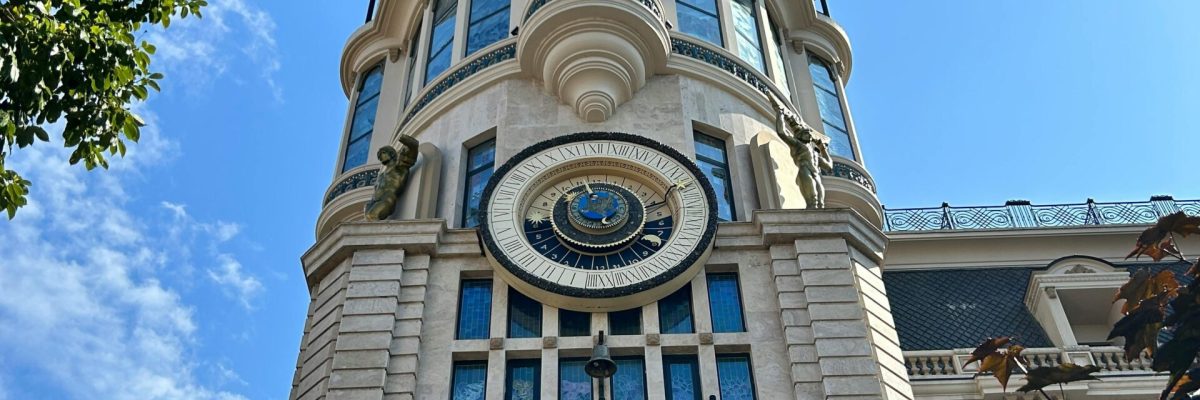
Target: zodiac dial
[(598, 221)]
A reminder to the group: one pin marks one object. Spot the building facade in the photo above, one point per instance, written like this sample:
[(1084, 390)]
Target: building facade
[(588, 166)]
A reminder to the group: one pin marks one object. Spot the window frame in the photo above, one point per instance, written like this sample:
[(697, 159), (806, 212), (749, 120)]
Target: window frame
[(741, 304), (358, 103), (686, 290), (641, 323), (458, 316), (561, 361), (839, 94), (694, 360), (471, 172), (758, 39), (451, 14), (716, 15), (509, 366), (588, 318), (729, 192), (472, 21), (454, 372), (749, 372), (513, 293)]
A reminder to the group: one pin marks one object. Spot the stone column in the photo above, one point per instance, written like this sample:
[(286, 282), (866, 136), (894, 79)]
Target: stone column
[(320, 335), (362, 354), (837, 322)]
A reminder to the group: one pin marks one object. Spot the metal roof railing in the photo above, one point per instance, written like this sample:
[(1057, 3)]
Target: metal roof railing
[(1019, 214)]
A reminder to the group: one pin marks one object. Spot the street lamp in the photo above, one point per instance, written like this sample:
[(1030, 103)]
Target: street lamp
[(601, 366)]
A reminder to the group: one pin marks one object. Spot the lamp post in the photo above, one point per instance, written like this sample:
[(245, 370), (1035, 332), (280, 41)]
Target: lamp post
[(601, 366)]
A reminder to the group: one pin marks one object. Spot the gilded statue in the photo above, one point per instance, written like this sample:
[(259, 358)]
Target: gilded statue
[(810, 152), (396, 165)]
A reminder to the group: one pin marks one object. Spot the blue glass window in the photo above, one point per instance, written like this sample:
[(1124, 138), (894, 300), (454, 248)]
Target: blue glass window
[(781, 76), (574, 323), (522, 380), (675, 311), (480, 160), (725, 302), (441, 38), (524, 316), (469, 380), (630, 381), (474, 309), (829, 102), (412, 65), (628, 322), (745, 25), (700, 18), (682, 376), (711, 158), (733, 372), (489, 23), (573, 382), (363, 121)]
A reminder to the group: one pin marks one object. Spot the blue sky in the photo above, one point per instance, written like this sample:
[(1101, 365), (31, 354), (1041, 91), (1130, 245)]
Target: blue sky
[(176, 273)]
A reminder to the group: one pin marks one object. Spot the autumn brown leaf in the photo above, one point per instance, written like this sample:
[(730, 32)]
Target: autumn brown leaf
[(989, 346), (1143, 285), (1002, 364), (1156, 242), (1140, 328), (1038, 378)]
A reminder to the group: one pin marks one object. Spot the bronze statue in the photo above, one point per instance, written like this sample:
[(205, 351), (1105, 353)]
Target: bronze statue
[(810, 153), (392, 178)]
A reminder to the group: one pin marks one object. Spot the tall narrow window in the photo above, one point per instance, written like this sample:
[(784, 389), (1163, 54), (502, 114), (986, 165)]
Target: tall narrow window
[(830, 104), (710, 157), (480, 160), (441, 38), (780, 76), (489, 23), (524, 316), (675, 311), (469, 381), (700, 18), (682, 374), (745, 24), (628, 322), (629, 383), (574, 323), (725, 302), (409, 82), (474, 309), (522, 380), (573, 382), (733, 372), (363, 122)]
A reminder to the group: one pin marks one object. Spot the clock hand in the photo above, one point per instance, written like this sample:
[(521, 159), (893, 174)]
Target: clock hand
[(588, 187)]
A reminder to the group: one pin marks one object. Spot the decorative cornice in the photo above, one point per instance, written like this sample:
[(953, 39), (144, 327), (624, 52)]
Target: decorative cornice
[(354, 181), (480, 63), (653, 5)]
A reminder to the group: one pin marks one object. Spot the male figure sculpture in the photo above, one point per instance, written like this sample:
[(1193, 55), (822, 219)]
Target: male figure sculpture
[(810, 154), (392, 178)]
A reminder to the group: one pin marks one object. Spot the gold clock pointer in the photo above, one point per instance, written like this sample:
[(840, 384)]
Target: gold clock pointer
[(588, 187)]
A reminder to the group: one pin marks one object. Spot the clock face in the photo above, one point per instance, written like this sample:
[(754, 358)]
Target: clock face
[(598, 221)]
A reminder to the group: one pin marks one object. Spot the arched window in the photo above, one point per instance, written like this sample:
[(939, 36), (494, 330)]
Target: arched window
[(745, 25), (363, 122), (488, 23), (441, 38), (700, 18), (833, 119)]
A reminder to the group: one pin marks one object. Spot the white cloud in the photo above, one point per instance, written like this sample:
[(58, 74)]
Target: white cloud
[(190, 49), (229, 275), (86, 299)]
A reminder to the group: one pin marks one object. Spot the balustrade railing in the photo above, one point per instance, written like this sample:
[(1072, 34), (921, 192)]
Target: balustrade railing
[(1022, 214), (941, 364)]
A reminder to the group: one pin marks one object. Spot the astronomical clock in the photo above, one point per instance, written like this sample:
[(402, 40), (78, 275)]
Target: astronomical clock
[(598, 221)]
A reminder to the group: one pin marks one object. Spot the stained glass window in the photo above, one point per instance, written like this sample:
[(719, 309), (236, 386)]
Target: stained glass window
[(725, 302), (711, 158), (474, 309), (628, 322), (699, 18), (675, 311), (745, 24), (573, 382), (733, 372), (828, 101), (469, 380), (441, 38), (630, 381), (480, 160), (682, 376), (524, 316), (489, 23), (522, 380), (363, 122), (574, 323)]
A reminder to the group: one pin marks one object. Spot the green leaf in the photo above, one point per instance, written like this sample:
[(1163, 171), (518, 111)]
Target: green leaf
[(40, 133)]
